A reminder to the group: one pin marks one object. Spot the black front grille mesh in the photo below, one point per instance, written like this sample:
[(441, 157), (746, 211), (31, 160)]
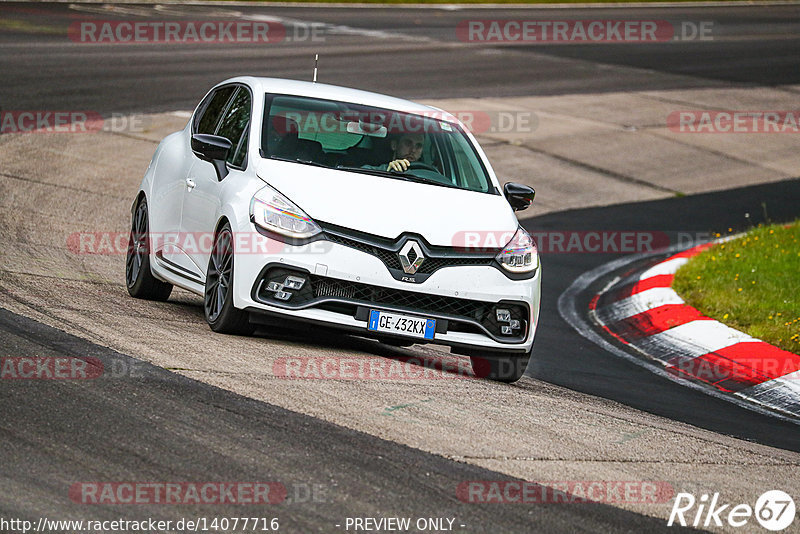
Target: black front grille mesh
[(388, 257), (421, 302), (461, 312), (391, 260), (433, 264), (474, 310)]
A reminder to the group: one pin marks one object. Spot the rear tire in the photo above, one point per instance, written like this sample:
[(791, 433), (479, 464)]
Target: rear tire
[(500, 367), (139, 278), (220, 313)]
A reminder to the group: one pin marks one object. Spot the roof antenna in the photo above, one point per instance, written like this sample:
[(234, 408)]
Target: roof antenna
[(316, 58)]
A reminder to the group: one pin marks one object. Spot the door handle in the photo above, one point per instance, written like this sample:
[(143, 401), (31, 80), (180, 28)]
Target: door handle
[(190, 183)]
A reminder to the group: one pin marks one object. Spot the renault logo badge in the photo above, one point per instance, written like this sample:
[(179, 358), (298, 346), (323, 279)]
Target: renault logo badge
[(411, 257)]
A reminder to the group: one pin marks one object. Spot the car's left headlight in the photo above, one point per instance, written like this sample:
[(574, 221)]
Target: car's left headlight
[(274, 212), (520, 255)]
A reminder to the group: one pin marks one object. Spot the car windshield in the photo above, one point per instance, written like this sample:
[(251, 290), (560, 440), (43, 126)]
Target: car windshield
[(356, 138)]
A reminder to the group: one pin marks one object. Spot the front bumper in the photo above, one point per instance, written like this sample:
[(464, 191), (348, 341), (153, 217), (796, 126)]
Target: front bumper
[(342, 284)]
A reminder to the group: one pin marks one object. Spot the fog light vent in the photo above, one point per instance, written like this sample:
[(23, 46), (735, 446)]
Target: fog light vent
[(283, 286), (508, 326), (294, 282)]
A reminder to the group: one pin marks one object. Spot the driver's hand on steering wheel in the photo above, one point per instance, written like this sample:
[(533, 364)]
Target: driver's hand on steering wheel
[(398, 165)]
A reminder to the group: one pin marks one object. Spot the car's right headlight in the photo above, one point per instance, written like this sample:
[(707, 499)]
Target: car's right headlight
[(520, 255), (274, 212)]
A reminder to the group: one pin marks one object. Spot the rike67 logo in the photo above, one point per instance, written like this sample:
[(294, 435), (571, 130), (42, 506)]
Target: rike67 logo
[(774, 510)]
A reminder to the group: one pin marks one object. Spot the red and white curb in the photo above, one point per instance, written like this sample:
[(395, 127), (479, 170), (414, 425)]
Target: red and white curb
[(644, 313)]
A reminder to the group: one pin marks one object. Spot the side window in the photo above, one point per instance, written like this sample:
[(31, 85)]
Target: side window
[(469, 171), (210, 110), (238, 158), (234, 126)]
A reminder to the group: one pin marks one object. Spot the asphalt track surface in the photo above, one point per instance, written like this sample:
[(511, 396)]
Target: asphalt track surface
[(584, 367), (148, 424), (162, 425), (416, 54)]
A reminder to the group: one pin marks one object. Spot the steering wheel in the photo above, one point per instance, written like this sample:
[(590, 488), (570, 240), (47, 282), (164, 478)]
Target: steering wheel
[(420, 165)]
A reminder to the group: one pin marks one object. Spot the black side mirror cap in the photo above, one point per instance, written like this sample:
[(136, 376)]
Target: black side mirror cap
[(518, 195), (214, 149)]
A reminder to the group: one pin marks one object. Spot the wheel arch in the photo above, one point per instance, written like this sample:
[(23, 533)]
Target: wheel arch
[(139, 196), (223, 219)]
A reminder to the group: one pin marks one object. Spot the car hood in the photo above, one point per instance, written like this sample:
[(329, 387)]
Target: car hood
[(388, 207)]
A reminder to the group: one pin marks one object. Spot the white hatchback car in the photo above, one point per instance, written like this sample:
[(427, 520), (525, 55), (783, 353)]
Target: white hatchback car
[(343, 208)]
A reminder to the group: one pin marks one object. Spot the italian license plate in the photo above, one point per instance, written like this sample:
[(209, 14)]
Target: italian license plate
[(394, 323)]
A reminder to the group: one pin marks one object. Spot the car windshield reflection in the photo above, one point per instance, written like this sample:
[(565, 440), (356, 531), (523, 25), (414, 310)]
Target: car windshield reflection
[(388, 143)]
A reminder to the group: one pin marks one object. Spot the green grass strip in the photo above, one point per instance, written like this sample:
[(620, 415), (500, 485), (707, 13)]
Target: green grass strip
[(751, 284)]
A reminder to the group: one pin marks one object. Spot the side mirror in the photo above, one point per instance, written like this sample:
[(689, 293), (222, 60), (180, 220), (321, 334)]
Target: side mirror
[(518, 195), (214, 149)]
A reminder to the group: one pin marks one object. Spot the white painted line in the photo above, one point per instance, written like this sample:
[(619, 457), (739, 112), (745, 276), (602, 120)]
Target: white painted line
[(333, 29), (693, 339), (783, 392), (637, 303), (337, 29), (568, 309), (178, 10), (111, 9), (665, 267)]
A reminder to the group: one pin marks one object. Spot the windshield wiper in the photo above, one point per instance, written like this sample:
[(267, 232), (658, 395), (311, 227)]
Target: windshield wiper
[(362, 170), (298, 160), (408, 177), (423, 180)]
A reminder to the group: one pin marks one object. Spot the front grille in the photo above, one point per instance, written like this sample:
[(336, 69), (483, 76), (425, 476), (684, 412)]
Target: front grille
[(420, 302), (389, 256), (347, 296), (433, 264)]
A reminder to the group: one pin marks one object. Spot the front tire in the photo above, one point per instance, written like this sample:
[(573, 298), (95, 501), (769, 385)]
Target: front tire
[(220, 313), (500, 367), (139, 278)]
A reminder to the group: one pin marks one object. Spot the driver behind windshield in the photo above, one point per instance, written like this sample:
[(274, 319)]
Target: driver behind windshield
[(406, 148)]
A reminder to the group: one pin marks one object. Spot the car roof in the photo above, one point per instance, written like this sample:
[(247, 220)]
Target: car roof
[(334, 92)]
